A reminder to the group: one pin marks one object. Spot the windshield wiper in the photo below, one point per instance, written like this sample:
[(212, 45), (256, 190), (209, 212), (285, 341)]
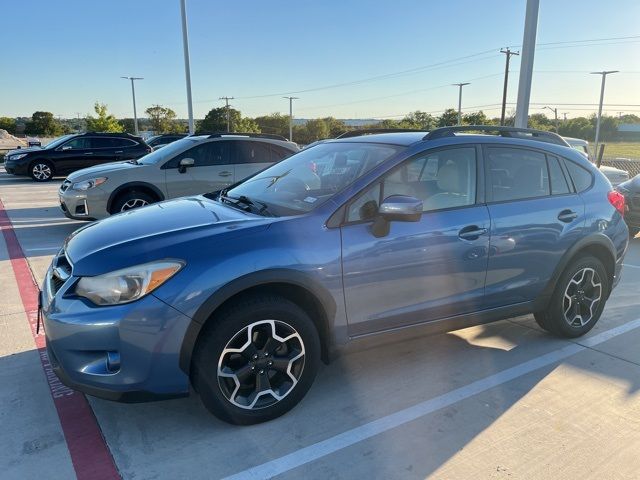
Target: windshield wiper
[(249, 204)]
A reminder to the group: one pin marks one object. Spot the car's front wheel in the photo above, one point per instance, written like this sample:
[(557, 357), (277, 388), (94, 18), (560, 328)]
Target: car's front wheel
[(578, 299), (41, 171), (257, 360), (130, 200)]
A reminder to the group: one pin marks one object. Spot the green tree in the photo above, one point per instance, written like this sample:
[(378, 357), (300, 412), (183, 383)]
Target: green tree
[(476, 118), (8, 124), (540, 121), (418, 120), (608, 127), (43, 123), (162, 119), (448, 118), (128, 125), (315, 129), (246, 125), (276, 124), (105, 121), (216, 120), (579, 127)]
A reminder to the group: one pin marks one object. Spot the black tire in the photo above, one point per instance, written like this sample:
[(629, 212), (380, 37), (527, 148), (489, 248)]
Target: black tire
[(633, 231), (553, 319), (131, 199), (41, 171), (230, 325)]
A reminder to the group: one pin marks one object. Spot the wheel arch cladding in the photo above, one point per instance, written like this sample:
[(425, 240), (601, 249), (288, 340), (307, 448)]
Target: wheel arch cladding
[(134, 186), (295, 287), (597, 245)]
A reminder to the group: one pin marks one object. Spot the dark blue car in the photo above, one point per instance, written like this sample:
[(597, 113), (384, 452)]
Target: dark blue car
[(243, 292)]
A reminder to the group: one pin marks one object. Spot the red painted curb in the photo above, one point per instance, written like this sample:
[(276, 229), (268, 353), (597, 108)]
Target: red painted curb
[(89, 452)]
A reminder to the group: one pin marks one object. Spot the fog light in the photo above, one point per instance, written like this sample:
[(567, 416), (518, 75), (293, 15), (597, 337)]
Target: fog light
[(113, 361)]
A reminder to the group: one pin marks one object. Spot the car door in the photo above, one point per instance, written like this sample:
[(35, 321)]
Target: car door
[(73, 155), (420, 271), (211, 170), (251, 156), (123, 149), (103, 150), (535, 218)]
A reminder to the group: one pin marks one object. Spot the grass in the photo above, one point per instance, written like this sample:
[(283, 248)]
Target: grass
[(622, 149)]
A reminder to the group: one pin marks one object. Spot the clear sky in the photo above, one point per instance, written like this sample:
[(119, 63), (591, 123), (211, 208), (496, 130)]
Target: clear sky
[(63, 55)]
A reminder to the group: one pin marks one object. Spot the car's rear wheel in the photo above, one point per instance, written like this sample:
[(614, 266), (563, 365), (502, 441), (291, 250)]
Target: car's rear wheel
[(257, 360), (130, 200), (41, 171), (578, 299)]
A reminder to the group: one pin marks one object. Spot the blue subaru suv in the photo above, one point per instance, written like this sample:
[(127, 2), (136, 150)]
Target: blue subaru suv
[(242, 293)]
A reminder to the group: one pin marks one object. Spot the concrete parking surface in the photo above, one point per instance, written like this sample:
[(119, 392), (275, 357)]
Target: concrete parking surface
[(504, 400)]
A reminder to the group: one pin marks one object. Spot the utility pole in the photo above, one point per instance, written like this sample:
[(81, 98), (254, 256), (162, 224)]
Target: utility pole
[(604, 76), (187, 68), (133, 93), (291, 99), (460, 85), (226, 99), (526, 64), (508, 53), (555, 113), (565, 116)]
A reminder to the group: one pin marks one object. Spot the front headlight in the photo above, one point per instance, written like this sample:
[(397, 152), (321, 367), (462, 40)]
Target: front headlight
[(17, 157), (87, 184), (128, 284)]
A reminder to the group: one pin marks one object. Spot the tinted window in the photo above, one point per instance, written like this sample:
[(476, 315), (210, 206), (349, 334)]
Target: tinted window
[(206, 154), (442, 179), (559, 183), (121, 142), (517, 174), (102, 142), (279, 153), (581, 177), (252, 152), (78, 143)]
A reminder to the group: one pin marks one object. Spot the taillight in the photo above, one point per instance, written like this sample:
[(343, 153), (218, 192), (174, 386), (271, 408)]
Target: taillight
[(617, 200)]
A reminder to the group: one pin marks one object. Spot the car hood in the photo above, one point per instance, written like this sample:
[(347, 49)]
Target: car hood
[(17, 151), (100, 170), (606, 169), (632, 185), (176, 228)]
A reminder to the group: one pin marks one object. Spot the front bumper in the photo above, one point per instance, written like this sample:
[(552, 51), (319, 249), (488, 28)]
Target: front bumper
[(15, 168), (83, 205), (125, 352)]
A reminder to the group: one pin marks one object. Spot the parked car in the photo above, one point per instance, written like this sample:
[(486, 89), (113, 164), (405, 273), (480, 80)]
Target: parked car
[(159, 141), (190, 166), (631, 191), (615, 175), (69, 153), (242, 293)]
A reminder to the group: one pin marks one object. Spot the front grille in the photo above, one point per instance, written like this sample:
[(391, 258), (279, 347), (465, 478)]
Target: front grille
[(61, 270), (65, 185)]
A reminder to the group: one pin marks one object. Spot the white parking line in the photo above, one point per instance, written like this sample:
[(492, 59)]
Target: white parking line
[(368, 430), (43, 249), (631, 266)]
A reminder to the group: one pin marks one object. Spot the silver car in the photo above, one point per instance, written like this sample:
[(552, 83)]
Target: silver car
[(190, 166)]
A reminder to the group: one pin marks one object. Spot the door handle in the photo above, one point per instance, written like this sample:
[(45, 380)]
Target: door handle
[(88, 153), (567, 216), (225, 174), (472, 232)]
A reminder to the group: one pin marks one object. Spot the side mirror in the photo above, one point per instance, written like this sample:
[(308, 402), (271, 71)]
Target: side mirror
[(185, 163), (396, 208)]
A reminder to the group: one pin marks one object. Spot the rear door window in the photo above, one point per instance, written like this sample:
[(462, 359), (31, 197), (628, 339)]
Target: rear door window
[(581, 177), (559, 185), (252, 152), (517, 174)]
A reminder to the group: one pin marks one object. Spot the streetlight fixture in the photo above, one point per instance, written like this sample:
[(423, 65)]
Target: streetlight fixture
[(555, 113), (187, 68), (604, 76), (133, 93), (460, 85), (291, 99)]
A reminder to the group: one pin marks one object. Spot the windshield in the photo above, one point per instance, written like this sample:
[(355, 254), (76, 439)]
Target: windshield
[(57, 141), (309, 178), (166, 152)]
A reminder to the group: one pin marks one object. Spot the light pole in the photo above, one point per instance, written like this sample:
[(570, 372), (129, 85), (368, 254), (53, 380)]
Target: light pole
[(291, 99), (508, 53), (187, 68), (460, 85), (604, 76), (133, 93), (526, 64), (226, 99), (555, 113)]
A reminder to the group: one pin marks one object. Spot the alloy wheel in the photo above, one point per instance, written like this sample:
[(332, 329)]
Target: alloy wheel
[(42, 171), (261, 364), (133, 203), (582, 297)]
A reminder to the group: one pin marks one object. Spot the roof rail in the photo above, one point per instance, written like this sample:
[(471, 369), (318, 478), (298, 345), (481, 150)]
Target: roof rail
[(241, 134), (373, 131), (512, 132)]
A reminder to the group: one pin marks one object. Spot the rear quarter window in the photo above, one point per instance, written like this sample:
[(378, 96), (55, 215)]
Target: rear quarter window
[(581, 177)]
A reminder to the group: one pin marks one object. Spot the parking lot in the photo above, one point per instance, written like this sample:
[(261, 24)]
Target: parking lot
[(503, 400)]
